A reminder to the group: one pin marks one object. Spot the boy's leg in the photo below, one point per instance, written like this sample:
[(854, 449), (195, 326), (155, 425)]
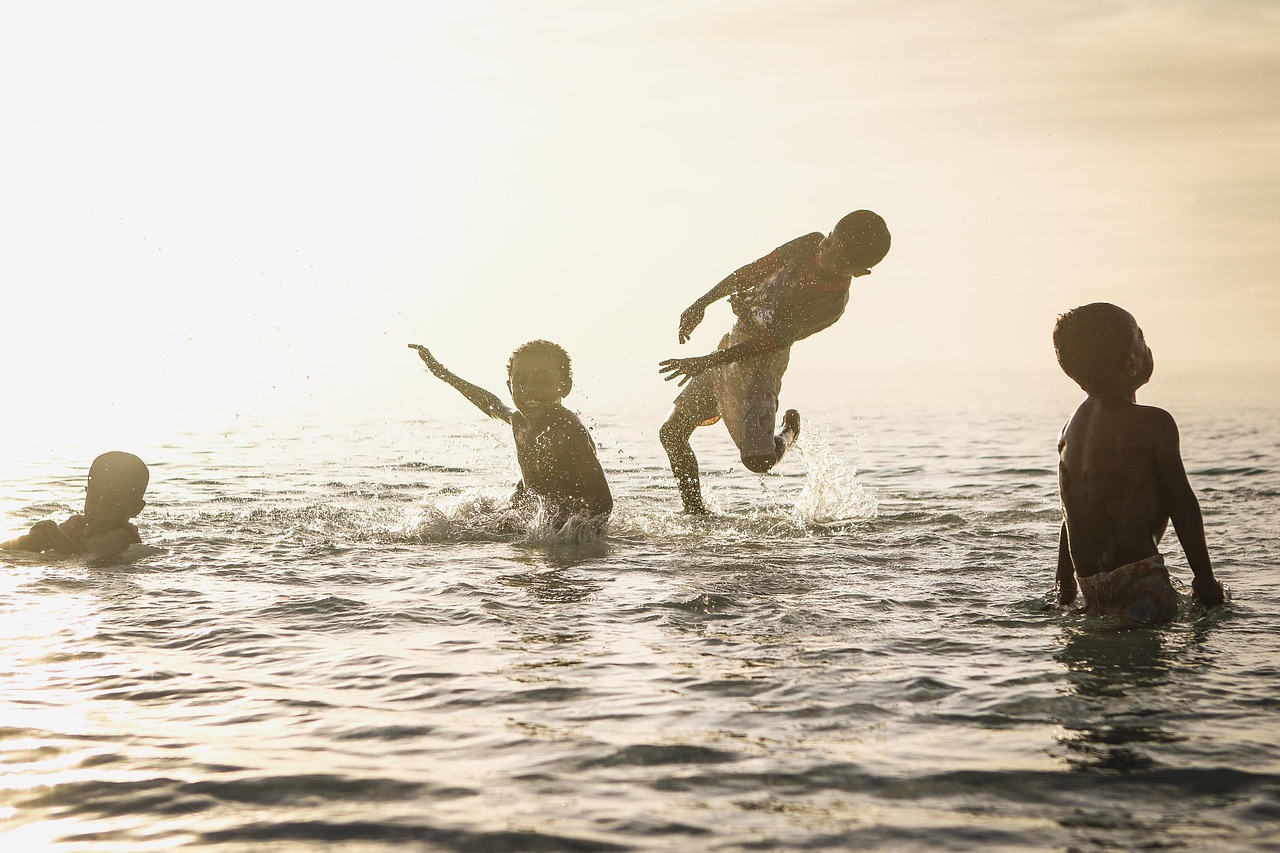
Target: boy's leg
[(790, 432), (695, 407), (762, 462), (747, 395)]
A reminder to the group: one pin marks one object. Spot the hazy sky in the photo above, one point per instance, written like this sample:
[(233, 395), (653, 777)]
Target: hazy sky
[(224, 202)]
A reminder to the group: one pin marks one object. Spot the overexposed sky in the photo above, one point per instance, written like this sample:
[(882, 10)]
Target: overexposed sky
[(212, 204)]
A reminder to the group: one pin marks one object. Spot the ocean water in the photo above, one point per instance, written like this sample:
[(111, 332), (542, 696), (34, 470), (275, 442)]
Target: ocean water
[(337, 638)]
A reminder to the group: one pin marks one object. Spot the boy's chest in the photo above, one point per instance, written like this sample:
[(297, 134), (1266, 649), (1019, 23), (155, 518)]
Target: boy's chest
[(535, 440)]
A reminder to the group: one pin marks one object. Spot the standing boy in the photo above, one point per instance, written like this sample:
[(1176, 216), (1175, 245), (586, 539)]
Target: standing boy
[(796, 290), (557, 457), (113, 495), (1121, 478)]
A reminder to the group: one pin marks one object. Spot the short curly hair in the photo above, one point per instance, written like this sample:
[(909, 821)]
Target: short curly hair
[(544, 348), (1091, 343)]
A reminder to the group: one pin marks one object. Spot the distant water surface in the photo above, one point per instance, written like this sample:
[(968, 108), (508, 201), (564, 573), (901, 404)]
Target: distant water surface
[(337, 637)]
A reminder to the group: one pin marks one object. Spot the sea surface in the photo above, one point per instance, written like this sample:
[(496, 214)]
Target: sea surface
[(336, 637)]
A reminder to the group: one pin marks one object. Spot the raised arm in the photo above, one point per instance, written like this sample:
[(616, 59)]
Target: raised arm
[(1184, 509), (482, 399)]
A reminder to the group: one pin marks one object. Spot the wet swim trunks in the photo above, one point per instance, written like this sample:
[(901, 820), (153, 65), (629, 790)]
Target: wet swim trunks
[(1137, 594)]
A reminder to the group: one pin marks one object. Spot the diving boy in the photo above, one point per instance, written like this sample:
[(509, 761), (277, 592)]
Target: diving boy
[(796, 290), (1121, 478), (556, 455), (117, 482)]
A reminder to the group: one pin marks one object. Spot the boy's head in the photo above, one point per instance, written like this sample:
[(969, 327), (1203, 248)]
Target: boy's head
[(857, 243), (539, 372), (117, 482), (1100, 346)]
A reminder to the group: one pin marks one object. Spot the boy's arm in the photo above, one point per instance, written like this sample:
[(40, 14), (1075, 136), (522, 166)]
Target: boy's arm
[(739, 278), (580, 453), (111, 543), (482, 399), (687, 368), (692, 316), (1066, 570), (1184, 509), (43, 536)]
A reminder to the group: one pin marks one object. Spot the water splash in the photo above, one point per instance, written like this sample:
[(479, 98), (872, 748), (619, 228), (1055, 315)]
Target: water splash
[(831, 492)]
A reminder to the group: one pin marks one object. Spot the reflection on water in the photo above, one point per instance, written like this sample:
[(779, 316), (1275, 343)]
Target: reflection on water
[(1121, 678)]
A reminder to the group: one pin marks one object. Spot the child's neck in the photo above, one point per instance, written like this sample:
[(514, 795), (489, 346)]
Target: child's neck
[(1115, 396)]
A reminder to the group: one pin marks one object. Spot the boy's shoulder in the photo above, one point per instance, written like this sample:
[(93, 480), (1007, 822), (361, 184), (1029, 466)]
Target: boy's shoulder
[(566, 419), (1151, 420), (806, 244), (76, 528)]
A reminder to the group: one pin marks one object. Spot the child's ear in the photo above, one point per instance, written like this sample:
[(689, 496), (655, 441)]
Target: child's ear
[(566, 385), (138, 508)]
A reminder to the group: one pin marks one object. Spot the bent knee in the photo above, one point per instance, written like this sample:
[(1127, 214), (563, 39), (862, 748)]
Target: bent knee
[(759, 464), (673, 433), (669, 432)]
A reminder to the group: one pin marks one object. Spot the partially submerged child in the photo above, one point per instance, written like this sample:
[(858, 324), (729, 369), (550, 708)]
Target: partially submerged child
[(557, 457), (796, 290), (117, 482), (1121, 478)]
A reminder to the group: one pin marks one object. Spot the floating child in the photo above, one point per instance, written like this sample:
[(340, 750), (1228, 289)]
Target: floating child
[(1121, 478), (117, 482), (557, 457)]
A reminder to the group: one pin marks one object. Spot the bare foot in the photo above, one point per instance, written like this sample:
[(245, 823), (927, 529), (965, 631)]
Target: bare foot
[(791, 422)]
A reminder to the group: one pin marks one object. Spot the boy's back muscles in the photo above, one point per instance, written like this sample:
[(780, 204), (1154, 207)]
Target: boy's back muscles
[(1116, 512)]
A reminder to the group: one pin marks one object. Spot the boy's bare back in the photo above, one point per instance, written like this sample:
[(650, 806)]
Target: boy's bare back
[(1115, 460)]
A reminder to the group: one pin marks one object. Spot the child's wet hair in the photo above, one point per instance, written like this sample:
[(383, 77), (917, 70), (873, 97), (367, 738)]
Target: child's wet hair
[(543, 348), (1092, 342), (865, 236), (124, 470)]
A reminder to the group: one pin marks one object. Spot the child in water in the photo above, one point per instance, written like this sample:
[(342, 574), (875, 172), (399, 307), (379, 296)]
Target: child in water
[(557, 457), (1121, 478), (117, 482), (796, 290)]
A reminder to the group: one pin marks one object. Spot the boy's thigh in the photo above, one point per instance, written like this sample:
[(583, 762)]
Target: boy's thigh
[(747, 396), (696, 403)]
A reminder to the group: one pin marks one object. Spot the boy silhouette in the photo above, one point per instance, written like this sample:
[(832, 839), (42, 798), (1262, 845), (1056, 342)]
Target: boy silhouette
[(1121, 478), (556, 455), (797, 289), (113, 495)]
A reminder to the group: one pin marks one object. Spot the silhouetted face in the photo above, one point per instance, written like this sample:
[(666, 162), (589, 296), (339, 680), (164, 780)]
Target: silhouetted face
[(536, 379), (1143, 363)]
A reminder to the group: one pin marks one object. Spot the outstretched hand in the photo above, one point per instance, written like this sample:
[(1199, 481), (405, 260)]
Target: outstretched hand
[(689, 321), (428, 359), (684, 368)]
